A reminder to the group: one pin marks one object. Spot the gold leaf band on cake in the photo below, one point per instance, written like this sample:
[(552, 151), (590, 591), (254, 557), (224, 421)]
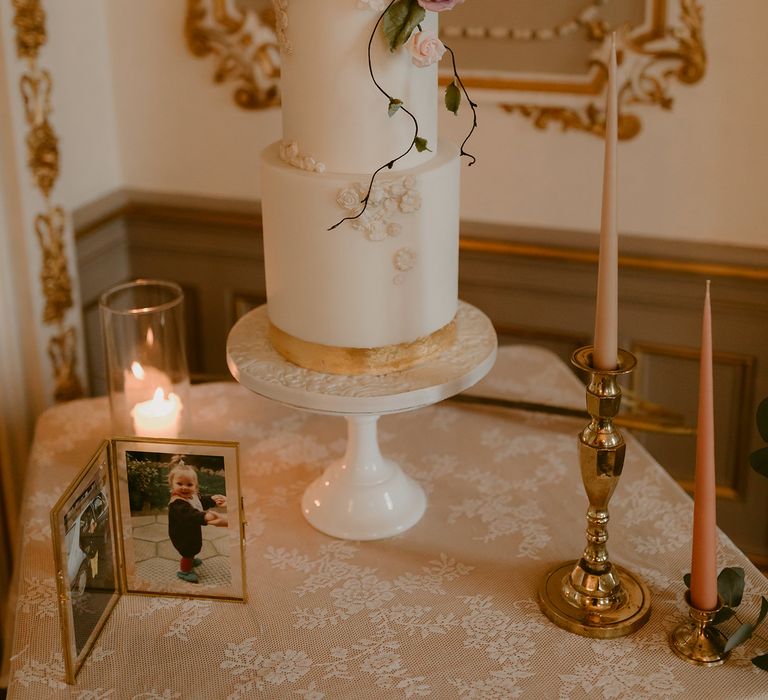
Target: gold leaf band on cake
[(339, 360)]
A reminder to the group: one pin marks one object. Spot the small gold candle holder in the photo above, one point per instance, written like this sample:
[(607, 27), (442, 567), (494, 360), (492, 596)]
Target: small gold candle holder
[(697, 640), (592, 596)]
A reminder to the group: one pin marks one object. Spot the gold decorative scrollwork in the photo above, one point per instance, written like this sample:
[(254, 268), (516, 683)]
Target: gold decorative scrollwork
[(62, 351), (42, 142), (661, 56), (57, 286), (43, 148), (29, 22), (689, 60), (35, 86), (240, 34), (591, 119), (36, 92)]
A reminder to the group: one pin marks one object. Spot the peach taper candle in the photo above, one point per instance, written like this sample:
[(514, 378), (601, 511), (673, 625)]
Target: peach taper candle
[(704, 554), (607, 307)]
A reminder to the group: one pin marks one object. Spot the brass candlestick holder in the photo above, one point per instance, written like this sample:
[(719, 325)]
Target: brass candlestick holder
[(697, 640), (592, 596)]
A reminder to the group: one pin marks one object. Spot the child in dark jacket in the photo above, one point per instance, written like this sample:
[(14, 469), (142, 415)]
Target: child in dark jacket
[(188, 511)]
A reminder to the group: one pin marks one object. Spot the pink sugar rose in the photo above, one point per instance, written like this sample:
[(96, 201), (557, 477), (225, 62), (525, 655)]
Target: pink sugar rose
[(439, 5), (425, 48)]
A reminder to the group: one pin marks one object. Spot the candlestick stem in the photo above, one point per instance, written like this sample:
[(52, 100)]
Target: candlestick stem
[(592, 596)]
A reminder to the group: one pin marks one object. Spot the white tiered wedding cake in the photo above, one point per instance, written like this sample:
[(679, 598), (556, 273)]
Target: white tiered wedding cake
[(377, 293)]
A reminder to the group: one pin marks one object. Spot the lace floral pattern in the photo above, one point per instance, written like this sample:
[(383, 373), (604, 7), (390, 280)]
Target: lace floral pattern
[(190, 614), (38, 597)]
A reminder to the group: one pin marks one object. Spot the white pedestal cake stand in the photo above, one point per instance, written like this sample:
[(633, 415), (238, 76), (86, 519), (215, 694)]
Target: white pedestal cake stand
[(363, 496)]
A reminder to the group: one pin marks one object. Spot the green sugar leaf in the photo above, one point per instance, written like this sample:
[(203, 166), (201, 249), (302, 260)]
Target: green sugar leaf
[(730, 585), (394, 105), (762, 419), (758, 460), (452, 98), (763, 610), (421, 144), (740, 636), (725, 613), (400, 20), (687, 580)]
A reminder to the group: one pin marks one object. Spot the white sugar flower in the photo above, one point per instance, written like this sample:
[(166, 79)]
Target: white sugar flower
[(375, 230), (410, 202), (349, 199), (404, 259)]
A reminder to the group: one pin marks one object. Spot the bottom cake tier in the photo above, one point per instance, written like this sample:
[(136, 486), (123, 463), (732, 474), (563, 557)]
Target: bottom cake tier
[(379, 292)]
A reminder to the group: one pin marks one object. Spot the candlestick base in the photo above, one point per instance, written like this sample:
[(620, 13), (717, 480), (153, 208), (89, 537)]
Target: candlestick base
[(630, 612), (697, 640)]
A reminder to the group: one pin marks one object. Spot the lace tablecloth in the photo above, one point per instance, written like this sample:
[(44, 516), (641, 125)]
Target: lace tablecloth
[(445, 610)]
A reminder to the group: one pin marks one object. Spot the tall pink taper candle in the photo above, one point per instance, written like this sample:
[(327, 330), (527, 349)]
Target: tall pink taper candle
[(607, 307), (704, 557)]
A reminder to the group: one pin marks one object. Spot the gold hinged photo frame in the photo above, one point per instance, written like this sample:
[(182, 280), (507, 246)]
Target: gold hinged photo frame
[(146, 516)]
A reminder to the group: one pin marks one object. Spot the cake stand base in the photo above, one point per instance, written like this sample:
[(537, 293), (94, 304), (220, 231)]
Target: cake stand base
[(364, 496)]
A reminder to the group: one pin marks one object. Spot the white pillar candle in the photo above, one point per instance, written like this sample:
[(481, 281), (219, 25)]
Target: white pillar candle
[(158, 417)]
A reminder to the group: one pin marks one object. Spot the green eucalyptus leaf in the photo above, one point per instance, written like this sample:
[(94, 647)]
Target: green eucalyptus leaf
[(740, 636), (759, 461), (730, 585), (394, 105), (452, 98), (761, 661), (763, 610), (725, 613), (421, 144), (687, 580), (400, 20), (762, 419)]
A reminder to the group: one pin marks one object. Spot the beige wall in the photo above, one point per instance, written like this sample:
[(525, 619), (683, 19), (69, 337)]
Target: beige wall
[(77, 54), (692, 174), (178, 132)]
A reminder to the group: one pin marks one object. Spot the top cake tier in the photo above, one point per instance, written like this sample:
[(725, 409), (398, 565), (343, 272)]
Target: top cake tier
[(332, 111)]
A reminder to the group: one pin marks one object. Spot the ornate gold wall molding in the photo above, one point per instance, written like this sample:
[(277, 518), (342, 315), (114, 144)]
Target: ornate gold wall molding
[(660, 56), (29, 22), (42, 143), (241, 36)]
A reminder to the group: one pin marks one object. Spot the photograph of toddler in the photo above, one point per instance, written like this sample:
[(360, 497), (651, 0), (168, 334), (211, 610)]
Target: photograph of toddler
[(188, 512), (180, 522)]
